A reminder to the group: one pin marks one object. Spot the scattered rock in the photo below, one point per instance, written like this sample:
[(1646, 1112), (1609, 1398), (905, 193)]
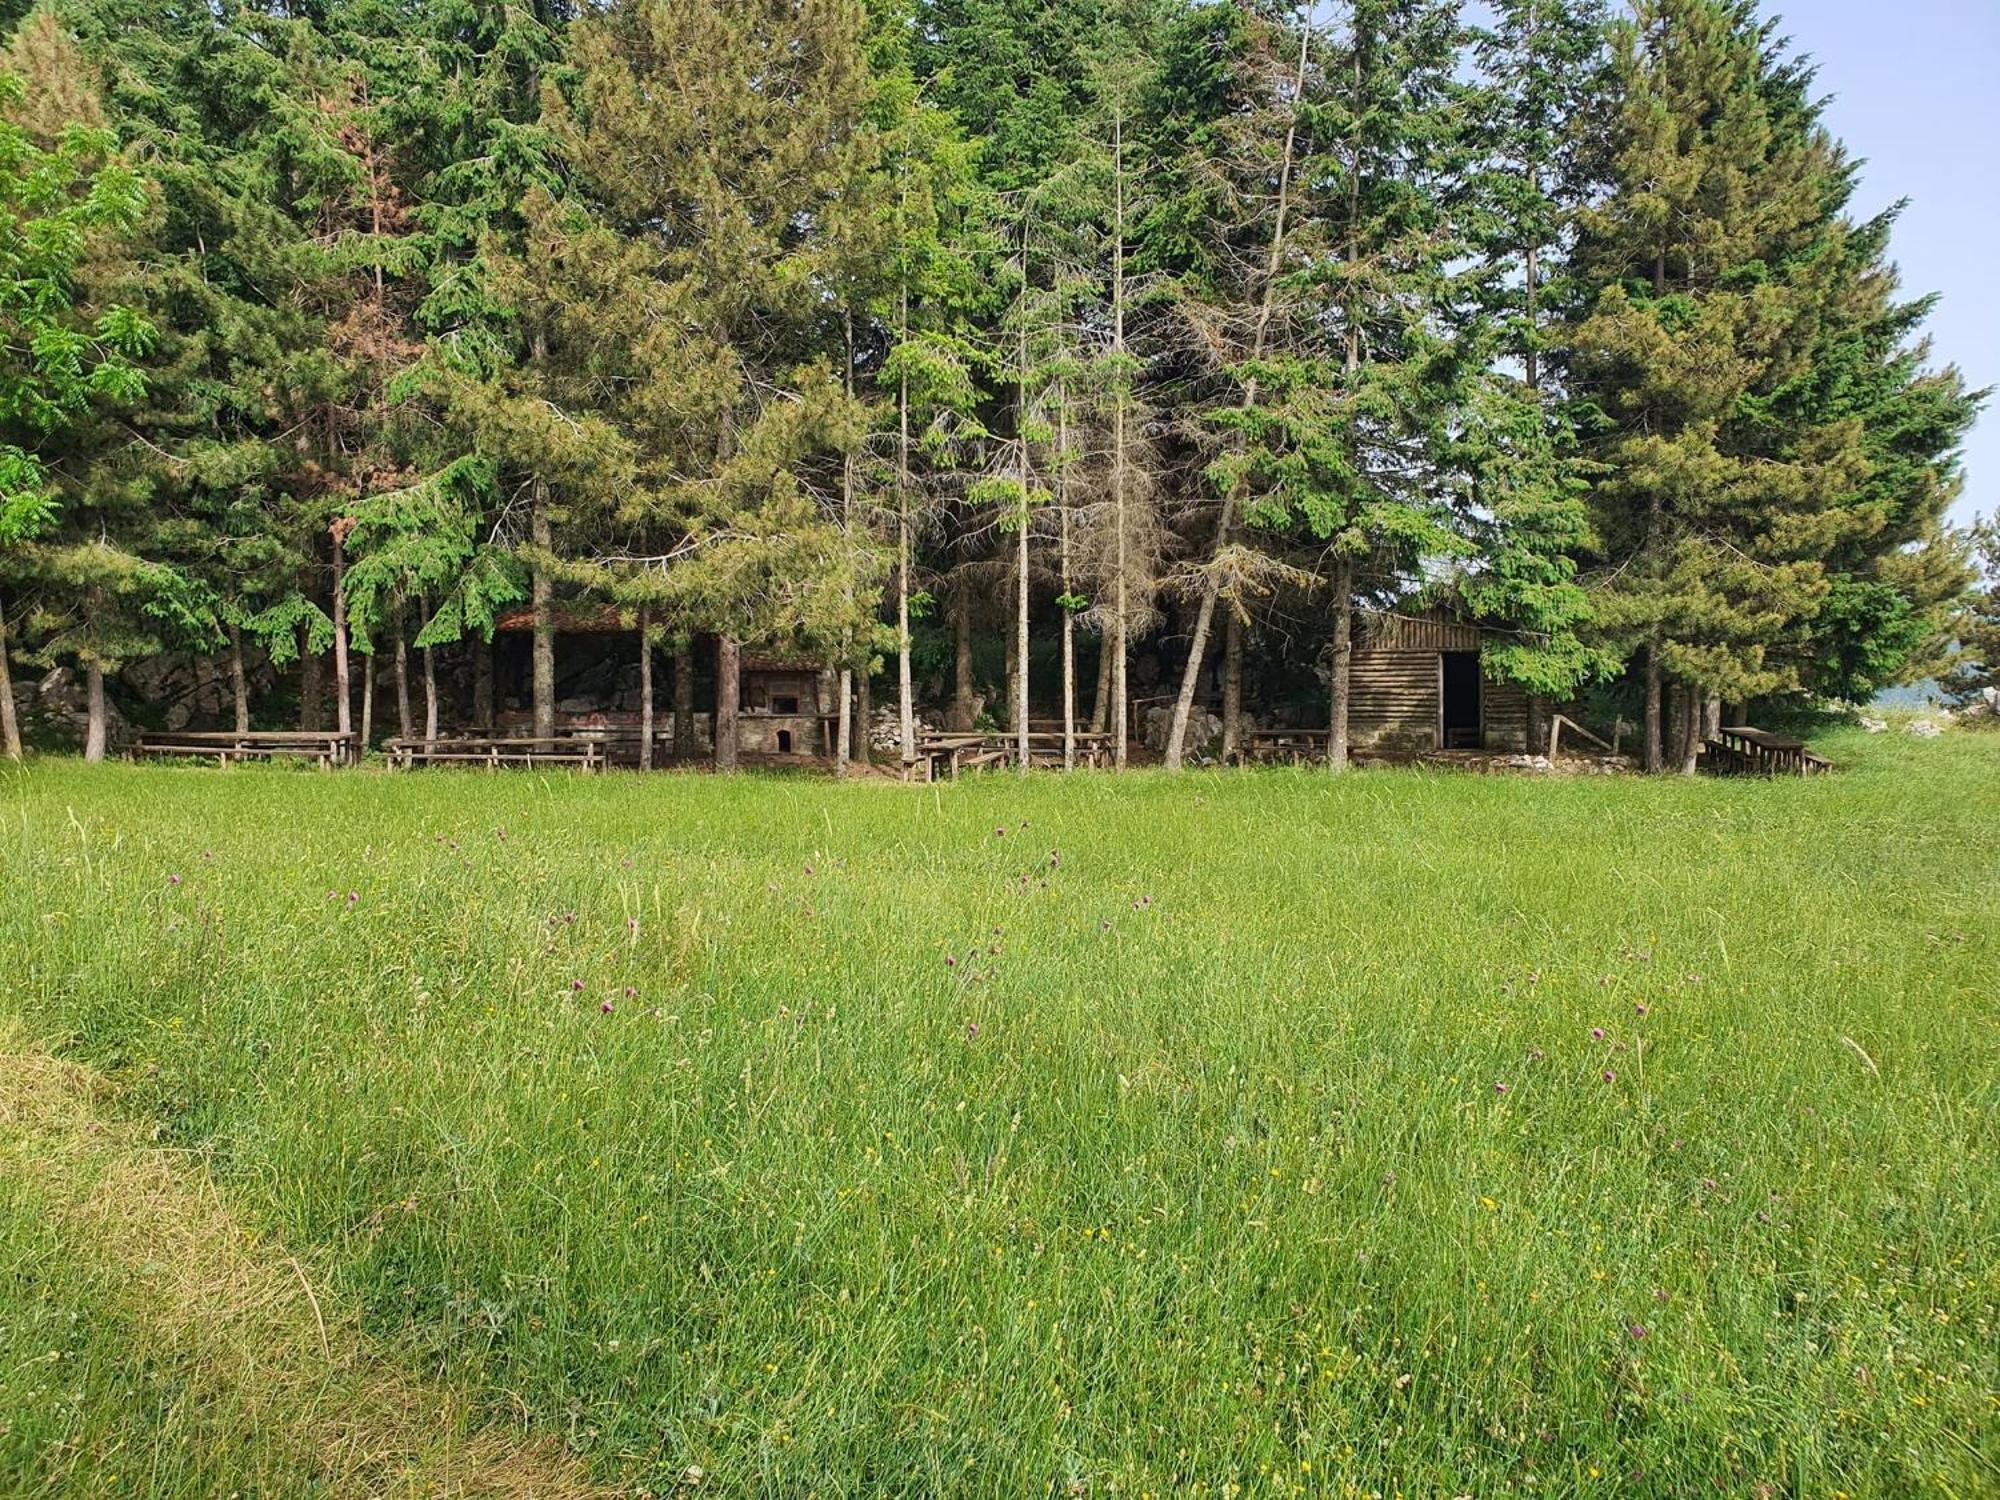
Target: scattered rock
[(1872, 724), (1925, 729)]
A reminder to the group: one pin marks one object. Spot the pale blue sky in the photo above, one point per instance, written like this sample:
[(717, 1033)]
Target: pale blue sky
[(1915, 88)]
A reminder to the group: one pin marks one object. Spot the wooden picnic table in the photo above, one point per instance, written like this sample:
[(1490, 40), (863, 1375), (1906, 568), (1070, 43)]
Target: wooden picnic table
[(326, 748), (948, 754), (496, 751)]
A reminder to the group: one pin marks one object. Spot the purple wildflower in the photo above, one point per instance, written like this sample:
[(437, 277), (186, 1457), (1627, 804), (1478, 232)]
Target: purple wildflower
[(972, 1031), (576, 986), (173, 880), (605, 1007), (1639, 1009), (1499, 1088), (950, 961), (1637, 1330), (1609, 1076)]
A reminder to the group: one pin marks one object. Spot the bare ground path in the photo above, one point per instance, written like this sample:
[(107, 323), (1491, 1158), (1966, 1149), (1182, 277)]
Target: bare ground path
[(240, 1320)]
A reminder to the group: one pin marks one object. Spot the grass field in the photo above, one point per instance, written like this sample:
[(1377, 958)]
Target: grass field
[(1248, 1134)]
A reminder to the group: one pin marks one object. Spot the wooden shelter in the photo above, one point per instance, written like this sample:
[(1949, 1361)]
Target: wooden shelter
[(1418, 687)]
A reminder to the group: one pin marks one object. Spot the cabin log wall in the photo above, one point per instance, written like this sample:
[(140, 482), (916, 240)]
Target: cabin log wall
[(1393, 701)]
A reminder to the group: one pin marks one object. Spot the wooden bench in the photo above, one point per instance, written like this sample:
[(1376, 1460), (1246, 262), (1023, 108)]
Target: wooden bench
[(1740, 750), (325, 748), (495, 751)]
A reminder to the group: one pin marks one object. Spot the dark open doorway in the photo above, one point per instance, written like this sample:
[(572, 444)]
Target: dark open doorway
[(1461, 700), (784, 742)]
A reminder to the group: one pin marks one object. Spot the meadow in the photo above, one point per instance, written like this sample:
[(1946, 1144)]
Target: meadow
[(1413, 1134)]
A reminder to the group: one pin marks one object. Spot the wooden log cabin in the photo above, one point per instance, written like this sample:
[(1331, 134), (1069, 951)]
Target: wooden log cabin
[(1417, 688)]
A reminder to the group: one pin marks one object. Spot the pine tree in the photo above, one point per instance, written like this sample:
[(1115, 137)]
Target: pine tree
[(711, 192)]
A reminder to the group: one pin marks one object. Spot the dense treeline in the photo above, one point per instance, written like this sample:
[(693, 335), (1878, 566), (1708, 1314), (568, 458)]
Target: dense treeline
[(1132, 336)]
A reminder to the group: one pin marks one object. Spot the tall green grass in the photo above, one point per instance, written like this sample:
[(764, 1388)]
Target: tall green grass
[(1223, 1134)]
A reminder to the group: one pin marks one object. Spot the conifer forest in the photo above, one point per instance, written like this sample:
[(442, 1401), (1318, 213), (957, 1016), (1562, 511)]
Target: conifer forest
[(1004, 358)]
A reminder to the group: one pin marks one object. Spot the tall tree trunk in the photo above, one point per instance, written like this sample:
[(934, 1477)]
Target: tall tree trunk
[(728, 675), (343, 708), (645, 691), (1026, 478), (1117, 638), (400, 674), (1267, 304), (1068, 615), (1711, 718), (906, 706), (1232, 687), (843, 733), (1693, 708), (1014, 676), (10, 724), (683, 699), (541, 586), (482, 684), (368, 675), (864, 714), (1100, 701), (239, 682), (1655, 747), (430, 689), (543, 599), (1340, 689), (961, 656), (96, 730), (312, 684), (843, 724)]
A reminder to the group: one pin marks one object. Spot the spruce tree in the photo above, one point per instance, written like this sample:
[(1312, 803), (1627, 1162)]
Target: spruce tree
[(1711, 269), (70, 348)]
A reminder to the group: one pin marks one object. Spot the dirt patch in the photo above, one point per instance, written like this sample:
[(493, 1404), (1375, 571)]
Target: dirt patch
[(242, 1318)]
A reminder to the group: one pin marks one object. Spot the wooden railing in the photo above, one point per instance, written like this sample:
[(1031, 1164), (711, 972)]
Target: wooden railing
[(495, 751), (325, 748), (1743, 751)]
